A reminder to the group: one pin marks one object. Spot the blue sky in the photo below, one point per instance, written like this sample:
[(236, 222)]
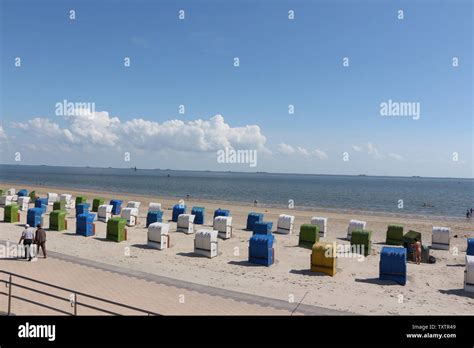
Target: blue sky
[(282, 62)]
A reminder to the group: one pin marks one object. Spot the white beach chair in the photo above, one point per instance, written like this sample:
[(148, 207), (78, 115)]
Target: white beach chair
[(23, 203), (67, 199), (52, 198), (355, 225), (158, 235), (223, 225), (205, 243), (440, 238), (285, 224), (321, 222), (131, 215), (133, 204), (104, 212), (185, 223), (154, 206), (6, 200)]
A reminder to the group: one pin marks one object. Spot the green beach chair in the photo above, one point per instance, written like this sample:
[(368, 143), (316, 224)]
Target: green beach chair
[(57, 220), (11, 213), (32, 196), (309, 234), (61, 205), (96, 202), (116, 229), (80, 200), (394, 235), (362, 239)]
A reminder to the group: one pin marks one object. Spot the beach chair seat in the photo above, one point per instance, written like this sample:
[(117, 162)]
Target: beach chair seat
[(104, 212), (324, 259), (116, 230), (23, 203), (11, 213), (85, 225), (96, 202), (6, 200), (221, 212), (82, 208), (309, 234), (394, 235), (81, 200), (116, 206), (57, 220), (261, 249), (59, 205), (199, 213), (133, 204), (285, 224), (22, 193), (355, 225), (152, 206), (392, 265), (262, 227), (67, 199), (52, 197), (470, 246), (158, 235), (34, 217), (252, 218), (131, 215), (322, 223), (361, 241), (154, 216), (206, 243), (440, 238), (178, 209), (469, 274), (185, 223), (223, 225)]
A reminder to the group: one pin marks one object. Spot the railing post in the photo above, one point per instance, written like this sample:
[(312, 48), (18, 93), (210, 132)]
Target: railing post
[(75, 304), (10, 295)]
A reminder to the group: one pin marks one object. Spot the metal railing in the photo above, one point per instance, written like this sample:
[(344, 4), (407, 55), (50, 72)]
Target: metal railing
[(73, 298)]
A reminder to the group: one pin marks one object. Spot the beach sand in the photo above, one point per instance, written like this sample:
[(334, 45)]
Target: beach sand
[(431, 288)]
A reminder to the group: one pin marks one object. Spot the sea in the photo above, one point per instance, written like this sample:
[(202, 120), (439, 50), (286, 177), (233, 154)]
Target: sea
[(443, 197)]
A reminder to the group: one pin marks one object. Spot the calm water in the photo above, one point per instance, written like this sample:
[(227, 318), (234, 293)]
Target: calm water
[(449, 197)]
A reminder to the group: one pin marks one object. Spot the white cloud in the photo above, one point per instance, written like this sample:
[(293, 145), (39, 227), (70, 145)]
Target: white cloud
[(285, 149), (373, 151), (320, 154), (99, 129), (396, 156), (3, 135), (302, 151)]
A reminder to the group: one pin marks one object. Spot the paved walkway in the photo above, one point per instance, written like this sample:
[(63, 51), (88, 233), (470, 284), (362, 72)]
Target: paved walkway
[(154, 293)]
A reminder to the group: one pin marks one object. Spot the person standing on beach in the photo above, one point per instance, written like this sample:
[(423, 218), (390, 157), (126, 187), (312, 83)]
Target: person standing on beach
[(27, 237), (40, 239), (417, 251), (467, 214)]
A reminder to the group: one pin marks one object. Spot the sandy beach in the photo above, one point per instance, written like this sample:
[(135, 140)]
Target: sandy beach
[(434, 289)]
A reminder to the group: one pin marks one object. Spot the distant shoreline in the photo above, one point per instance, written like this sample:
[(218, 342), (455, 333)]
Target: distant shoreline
[(131, 168)]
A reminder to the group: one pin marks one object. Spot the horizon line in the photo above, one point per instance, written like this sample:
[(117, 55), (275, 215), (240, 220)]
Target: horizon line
[(240, 172)]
